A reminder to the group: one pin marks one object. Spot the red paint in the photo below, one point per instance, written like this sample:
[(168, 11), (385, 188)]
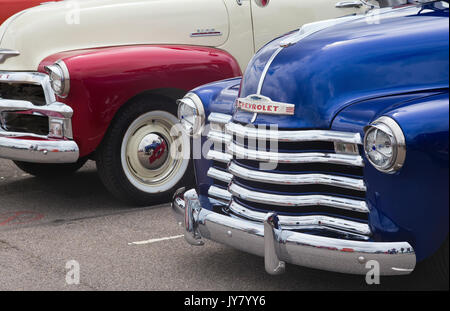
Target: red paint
[(158, 153), (11, 7), (348, 250), (103, 80), (18, 218)]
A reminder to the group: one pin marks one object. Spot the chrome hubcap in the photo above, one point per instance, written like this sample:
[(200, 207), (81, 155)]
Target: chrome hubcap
[(153, 154), (153, 151)]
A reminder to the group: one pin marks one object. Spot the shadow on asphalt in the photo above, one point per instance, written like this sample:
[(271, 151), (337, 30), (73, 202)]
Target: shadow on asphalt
[(84, 196), (227, 263)]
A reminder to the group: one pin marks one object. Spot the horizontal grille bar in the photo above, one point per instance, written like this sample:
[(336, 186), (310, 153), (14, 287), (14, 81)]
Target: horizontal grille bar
[(296, 179), (219, 175), (305, 222), (292, 136), (219, 193), (219, 137), (305, 157), (297, 200), (219, 118), (218, 156)]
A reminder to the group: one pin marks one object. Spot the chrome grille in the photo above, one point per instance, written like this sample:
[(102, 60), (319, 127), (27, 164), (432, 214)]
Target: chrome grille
[(313, 187)]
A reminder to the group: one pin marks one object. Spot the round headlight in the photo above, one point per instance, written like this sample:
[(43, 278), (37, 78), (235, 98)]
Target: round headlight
[(191, 114), (384, 145), (59, 78)]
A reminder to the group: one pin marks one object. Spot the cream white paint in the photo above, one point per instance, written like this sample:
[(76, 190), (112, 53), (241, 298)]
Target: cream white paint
[(281, 16), (44, 30)]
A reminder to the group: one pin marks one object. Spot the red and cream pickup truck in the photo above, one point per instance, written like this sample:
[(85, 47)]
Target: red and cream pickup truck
[(99, 79)]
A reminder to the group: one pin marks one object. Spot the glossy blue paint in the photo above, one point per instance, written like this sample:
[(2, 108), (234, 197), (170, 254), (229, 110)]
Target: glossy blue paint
[(413, 204), (216, 97), (344, 78), (333, 68)]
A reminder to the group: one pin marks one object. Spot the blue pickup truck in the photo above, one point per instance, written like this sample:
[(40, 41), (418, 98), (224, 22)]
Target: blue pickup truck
[(332, 150)]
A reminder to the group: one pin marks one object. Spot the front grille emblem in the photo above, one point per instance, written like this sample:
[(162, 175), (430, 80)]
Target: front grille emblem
[(262, 104)]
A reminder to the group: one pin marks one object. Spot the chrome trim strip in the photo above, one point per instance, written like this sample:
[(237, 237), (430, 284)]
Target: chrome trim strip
[(218, 156), (6, 53), (219, 175), (339, 255), (60, 109), (293, 136), (306, 157), (266, 69), (54, 111), (306, 222), (219, 118), (219, 137), (219, 193), (298, 200), (297, 179)]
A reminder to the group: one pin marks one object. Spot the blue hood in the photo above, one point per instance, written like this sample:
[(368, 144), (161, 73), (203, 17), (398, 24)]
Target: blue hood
[(400, 51)]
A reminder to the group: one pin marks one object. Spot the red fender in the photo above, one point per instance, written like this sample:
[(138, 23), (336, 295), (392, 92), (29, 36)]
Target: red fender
[(103, 80)]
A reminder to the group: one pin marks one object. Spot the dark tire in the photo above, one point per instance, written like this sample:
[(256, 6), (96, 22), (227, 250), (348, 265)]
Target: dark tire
[(436, 267), (46, 170), (138, 136)]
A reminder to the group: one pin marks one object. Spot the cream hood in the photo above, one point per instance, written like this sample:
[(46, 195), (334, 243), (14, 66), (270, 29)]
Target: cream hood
[(70, 25)]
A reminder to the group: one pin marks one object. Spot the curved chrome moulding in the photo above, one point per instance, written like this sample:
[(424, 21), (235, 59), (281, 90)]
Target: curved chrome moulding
[(219, 118), (219, 156), (305, 157), (218, 137), (342, 226), (297, 200), (279, 246), (296, 179), (219, 175), (219, 193), (55, 108), (292, 136)]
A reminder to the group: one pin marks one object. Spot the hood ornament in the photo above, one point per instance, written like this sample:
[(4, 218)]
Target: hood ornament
[(262, 104), (5, 54)]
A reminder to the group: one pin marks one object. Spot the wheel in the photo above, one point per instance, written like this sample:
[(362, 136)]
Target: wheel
[(47, 170), (436, 267), (142, 159)]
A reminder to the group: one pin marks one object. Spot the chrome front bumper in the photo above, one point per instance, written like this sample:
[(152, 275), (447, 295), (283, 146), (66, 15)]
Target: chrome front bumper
[(29, 147), (38, 151), (279, 246)]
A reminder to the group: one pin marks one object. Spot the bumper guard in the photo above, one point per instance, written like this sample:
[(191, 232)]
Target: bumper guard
[(279, 246)]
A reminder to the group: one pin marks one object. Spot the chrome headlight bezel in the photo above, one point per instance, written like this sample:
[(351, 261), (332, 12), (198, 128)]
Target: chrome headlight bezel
[(58, 74), (393, 131), (193, 104)]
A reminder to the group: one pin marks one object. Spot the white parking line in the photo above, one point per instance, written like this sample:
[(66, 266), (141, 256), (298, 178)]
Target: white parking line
[(156, 240)]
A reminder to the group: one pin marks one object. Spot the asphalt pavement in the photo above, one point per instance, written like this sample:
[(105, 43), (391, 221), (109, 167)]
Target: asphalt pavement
[(44, 224)]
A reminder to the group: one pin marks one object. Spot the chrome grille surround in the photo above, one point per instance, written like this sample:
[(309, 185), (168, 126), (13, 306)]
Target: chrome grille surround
[(26, 146), (228, 151)]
